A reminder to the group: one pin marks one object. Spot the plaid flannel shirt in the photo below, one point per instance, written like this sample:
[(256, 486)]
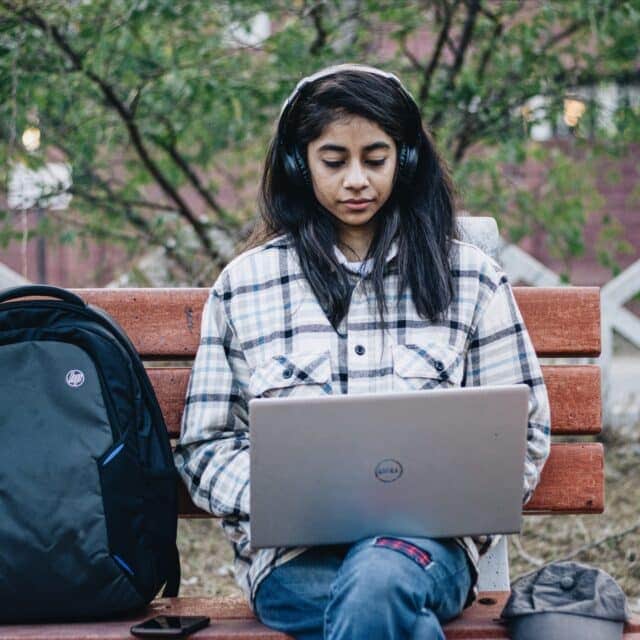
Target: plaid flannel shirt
[(262, 319)]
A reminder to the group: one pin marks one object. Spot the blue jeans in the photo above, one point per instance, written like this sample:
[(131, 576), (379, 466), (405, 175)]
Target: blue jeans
[(379, 587)]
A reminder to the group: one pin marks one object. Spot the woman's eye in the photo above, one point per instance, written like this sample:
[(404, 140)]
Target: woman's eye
[(333, 163), (336, 163)]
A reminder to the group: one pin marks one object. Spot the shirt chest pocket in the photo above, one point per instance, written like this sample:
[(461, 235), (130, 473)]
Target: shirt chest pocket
[(426, 366), (293, 374)]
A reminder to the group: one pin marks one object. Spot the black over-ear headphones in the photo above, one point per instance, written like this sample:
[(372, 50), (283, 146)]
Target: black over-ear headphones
[(294, 164)]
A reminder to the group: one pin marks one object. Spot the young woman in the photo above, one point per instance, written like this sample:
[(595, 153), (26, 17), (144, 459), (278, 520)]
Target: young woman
[(357, 283)]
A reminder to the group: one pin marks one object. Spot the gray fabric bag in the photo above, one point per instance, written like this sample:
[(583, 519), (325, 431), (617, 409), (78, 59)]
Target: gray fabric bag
[(566, 600)]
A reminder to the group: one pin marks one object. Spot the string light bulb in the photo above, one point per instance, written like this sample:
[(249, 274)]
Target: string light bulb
[(31, 138), (573, 111)]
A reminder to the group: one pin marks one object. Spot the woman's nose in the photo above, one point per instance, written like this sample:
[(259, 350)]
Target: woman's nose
[(356, 176)]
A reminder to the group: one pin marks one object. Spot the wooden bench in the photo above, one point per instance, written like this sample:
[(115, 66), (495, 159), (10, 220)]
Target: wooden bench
[(164, 324)]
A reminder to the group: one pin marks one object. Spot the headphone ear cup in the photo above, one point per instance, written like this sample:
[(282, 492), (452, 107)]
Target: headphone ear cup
[(407, 163), (302, 166), (296, 168)]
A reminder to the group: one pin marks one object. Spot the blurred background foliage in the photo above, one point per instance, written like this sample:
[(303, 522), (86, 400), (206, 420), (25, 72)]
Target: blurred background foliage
[(163, 109)]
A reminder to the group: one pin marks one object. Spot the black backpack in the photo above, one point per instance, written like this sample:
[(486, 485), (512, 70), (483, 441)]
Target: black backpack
[(88, 488)]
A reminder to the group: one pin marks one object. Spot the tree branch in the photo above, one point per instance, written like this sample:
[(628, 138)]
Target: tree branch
[(126, 116), (489, 50), (467, 128), (131, 216), (469, 25), (473, 8), (346, 33), (99, 232), (443, 37), (474, 126), (138, 222), (174, 154), (415, 63), (321, 33), (553, 40)]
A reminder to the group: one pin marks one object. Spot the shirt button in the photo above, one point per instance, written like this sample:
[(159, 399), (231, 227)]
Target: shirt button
[(439, 366), (287, 373), (566, 583), (360, 349)]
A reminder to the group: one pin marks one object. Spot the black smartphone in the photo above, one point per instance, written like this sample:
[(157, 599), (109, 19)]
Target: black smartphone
[(169, 626)]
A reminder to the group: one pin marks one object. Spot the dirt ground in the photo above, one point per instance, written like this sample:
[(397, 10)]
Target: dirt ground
[(610, 541)]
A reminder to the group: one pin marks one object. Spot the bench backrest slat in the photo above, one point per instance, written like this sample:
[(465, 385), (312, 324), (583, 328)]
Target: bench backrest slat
[(165, 323), (572, 482), (561, 321), (574, 392)]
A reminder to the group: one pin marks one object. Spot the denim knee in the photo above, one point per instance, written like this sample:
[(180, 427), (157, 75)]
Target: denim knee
[(376, 576), (389, 586), (376, 594)]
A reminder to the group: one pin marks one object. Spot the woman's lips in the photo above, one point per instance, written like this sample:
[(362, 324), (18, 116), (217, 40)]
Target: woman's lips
[(357, 205)]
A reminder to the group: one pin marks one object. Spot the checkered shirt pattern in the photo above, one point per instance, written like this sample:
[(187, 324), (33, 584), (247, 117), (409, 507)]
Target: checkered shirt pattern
[(264, 334)]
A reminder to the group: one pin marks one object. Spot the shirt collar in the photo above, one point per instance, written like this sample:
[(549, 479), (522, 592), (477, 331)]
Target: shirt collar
[(364, 267)]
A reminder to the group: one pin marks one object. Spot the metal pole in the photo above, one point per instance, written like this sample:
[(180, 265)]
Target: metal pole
[(41, 249)]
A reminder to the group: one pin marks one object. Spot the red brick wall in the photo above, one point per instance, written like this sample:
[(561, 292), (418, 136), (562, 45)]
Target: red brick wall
[(66, 265), (619, 204)]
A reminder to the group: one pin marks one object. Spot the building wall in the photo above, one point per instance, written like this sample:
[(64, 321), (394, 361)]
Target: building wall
[(66, 265), (620, 205)]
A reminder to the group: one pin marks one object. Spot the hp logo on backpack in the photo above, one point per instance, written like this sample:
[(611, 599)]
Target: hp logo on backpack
[(88, 489), (75, 378)]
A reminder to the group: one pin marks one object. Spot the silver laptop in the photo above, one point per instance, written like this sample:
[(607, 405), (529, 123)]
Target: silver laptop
[(437, 463)]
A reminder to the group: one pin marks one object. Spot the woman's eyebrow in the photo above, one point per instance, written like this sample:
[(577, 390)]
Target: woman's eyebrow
[(370, 147)]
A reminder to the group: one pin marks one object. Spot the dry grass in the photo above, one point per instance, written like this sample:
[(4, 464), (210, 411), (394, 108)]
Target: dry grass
[(207, 557)]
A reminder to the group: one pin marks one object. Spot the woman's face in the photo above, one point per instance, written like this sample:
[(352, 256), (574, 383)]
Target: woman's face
[(352, 166)]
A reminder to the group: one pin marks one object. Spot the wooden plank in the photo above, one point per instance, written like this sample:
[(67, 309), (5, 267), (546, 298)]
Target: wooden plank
[(574, 397), (220, 629), (232, 618), (561, 321), (162, 323), (165, 323), (572, 482), (170, 384)]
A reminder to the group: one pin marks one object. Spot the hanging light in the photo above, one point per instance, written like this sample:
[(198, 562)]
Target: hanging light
[(573, 110), (31, 138)]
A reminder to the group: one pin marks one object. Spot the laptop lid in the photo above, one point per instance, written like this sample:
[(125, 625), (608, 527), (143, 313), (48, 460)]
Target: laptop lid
[(437, 463)]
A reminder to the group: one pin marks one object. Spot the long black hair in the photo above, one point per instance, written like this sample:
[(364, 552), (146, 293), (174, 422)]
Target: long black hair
[(419, 213)]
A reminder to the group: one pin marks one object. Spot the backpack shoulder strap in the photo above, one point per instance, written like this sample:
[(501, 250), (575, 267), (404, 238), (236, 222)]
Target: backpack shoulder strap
[(172, 585)]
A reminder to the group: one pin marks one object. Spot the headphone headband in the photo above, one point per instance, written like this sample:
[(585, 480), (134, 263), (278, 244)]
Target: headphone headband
[(337, 68)]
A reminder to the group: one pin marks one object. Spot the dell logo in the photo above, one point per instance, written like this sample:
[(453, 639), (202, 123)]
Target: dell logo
[(388, 470), (75, 378)]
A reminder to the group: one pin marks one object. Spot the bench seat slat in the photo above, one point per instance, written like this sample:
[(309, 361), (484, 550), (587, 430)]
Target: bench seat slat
[(232, 618), (574, 396), (165, 323), (572, 482)]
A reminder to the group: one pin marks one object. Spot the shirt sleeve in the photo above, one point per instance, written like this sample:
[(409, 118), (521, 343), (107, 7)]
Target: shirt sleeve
[(500, 352), (212, 455)]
